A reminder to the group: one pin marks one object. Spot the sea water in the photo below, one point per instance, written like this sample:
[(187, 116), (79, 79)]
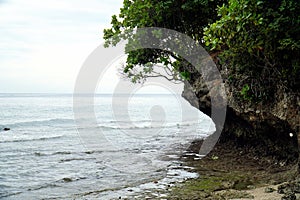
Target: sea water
[(46, 155)]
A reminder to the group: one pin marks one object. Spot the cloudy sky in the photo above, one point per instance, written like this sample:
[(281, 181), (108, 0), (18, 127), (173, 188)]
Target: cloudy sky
[(44, 43)]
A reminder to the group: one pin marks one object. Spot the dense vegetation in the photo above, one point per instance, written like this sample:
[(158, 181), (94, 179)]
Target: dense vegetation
[(257, 42), (188, 17)]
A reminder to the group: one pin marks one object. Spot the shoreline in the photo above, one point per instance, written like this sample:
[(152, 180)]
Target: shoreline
[(231, 172), (227, 172)]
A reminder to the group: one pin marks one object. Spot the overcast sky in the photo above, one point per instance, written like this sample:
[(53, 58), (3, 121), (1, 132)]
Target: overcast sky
[(44, 43)]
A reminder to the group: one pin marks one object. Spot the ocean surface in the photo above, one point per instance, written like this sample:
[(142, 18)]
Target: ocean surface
[(133, 150)]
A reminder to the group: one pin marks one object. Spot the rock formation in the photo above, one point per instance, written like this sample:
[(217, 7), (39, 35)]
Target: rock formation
[(271, 128)]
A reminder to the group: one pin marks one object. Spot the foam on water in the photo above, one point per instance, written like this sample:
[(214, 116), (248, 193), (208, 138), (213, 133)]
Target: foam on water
[(43, 157)]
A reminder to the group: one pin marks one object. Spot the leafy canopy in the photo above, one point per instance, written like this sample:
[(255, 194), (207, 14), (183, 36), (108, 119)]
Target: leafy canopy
[(257, 42), (188, 17)]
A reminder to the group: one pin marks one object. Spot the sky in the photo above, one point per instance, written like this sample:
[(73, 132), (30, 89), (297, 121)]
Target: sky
[(44, 43)]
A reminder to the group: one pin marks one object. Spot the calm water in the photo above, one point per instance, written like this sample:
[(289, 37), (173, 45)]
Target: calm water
[(44, 156)]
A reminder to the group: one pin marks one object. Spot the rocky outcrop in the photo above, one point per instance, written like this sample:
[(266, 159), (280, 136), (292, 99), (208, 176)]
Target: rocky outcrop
[(271, 128)]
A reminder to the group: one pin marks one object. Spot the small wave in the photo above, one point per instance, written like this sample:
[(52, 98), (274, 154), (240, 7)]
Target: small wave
[(71, 159), (32, 139), (55, 153), (132, 121), (94, 152), (56, 183), (51, 185), (116, 126), (5, 194), (62, 153), (65, 153), (48, 122)]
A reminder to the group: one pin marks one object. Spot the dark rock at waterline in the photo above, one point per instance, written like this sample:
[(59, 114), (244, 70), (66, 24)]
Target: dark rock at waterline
[(6, 129), (291, 187), (289, 190), (67, 179), (289, 196)]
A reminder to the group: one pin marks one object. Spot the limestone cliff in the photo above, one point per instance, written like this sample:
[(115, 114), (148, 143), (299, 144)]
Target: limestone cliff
[(270, 128)]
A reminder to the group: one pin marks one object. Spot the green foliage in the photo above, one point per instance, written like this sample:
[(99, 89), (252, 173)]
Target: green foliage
[(245, 92), (185, 75), (189, 17), (237, 28), (259, 41)]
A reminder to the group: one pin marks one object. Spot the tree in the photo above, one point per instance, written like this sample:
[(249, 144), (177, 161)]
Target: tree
[(256, 43), (257, 38), (188, 17)]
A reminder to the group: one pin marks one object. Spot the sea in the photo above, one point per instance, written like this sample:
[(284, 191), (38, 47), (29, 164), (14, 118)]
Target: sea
[(133, 151)]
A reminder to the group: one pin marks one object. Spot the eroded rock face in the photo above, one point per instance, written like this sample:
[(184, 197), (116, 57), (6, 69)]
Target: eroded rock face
[(287, 108), (273, 126)]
